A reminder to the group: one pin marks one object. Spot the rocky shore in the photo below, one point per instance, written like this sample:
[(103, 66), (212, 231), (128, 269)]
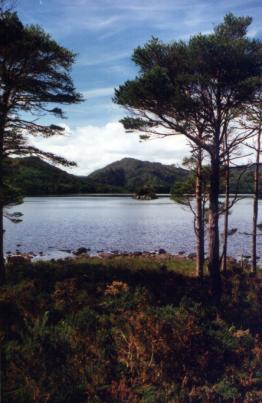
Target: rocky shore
[(82, 252)]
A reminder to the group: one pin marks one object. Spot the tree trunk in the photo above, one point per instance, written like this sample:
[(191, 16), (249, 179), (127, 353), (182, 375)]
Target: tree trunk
[(213, 229), (255, 205), (2, 261), (226, 207), (200, 239), (3, 118)]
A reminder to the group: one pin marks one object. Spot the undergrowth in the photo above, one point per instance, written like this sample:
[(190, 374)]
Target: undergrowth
[(129, 331)]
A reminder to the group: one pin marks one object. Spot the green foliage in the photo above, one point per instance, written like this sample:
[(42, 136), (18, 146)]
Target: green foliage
[(226, 390), (132, 174), (32, 177), (241, 182), (173, 78), (34, 73), (35, 177), (127, 330), (233, 27), (183, 191)]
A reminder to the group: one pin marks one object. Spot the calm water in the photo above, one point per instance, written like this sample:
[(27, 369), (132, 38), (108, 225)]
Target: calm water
[(51, 224)]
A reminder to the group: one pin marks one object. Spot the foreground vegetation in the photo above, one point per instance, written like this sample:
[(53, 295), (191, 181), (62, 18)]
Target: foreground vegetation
[(129, 330)]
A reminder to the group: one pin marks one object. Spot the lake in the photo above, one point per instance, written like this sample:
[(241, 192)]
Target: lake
[(53, 224)]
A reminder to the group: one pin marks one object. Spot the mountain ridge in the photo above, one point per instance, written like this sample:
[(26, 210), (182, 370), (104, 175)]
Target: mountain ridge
[(133, 174), (37, 177)]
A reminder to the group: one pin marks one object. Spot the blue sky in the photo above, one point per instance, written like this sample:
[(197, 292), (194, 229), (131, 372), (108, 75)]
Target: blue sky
[(104, 33)]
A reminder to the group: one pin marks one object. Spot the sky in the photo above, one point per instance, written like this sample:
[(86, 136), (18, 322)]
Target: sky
[(104, 34)]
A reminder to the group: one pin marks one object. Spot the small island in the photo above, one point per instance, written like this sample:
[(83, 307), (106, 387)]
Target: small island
[(145, 193)]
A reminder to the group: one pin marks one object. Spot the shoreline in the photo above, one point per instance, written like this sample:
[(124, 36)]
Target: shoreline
[(160, 257), (159, 195), (84, 253)]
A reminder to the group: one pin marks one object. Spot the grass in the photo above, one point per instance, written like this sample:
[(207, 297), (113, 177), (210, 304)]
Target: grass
[(183, 266)]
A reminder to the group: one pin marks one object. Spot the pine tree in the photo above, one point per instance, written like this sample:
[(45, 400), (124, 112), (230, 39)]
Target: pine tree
[(34, 74), (191, 87)]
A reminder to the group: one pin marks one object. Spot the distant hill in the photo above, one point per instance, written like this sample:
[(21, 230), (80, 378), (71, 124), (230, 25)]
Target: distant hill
[(132, 174), (36, 177), (242, 179)]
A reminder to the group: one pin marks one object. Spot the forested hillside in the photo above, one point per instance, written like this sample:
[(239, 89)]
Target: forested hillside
[(132, 174), (34, 176)]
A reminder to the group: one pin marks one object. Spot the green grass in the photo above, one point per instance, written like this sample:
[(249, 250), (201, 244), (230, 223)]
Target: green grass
[(183, 266)]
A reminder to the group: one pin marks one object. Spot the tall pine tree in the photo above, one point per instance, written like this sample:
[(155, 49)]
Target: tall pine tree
[(184, 87), (34, 74)]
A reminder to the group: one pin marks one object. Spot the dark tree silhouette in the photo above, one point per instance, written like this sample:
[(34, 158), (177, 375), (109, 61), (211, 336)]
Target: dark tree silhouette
[(34, 74)]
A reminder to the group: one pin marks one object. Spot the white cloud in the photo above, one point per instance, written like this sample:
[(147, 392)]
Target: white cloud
[(96, 58), (93, 147), (98, 92)]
